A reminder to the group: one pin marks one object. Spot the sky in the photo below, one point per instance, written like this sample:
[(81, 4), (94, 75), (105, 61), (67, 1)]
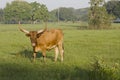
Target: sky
[(53, 4)]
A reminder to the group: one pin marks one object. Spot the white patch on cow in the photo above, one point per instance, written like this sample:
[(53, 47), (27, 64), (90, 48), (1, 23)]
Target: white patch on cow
[(51, 47)]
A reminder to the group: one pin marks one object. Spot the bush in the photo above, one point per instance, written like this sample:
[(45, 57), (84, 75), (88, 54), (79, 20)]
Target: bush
[(101, 71)]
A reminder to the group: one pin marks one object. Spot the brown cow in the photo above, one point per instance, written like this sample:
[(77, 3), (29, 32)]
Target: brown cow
[(44, 40)]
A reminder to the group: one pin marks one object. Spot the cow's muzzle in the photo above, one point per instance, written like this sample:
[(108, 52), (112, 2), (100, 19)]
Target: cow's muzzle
[(33, 44)]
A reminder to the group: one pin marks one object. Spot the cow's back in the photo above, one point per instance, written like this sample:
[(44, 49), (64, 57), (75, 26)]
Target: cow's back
[(50, 38)]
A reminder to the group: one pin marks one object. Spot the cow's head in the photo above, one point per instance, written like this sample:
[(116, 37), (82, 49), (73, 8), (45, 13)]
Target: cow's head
[(32, 34)]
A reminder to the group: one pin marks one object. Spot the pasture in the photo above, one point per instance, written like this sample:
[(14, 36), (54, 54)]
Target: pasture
[(80, 48)]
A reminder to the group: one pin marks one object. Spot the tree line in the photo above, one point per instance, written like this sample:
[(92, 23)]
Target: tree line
[(69, 14), (24, 12), (35, 12)]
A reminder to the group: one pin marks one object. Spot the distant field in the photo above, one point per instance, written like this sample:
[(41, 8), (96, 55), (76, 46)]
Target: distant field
[(80, 48)]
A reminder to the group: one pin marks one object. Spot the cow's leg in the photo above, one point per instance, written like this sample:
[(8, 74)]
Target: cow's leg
[(44, 55), (61, 50), (34, 56), (56, 53)]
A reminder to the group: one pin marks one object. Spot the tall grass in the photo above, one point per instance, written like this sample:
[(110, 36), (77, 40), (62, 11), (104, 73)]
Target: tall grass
[(80, 46)]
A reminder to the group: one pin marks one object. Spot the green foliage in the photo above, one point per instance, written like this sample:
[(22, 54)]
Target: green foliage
[(113, 7), (82, 14), (1, 15), (69, 14), (98, 16), (39, 12), (24, 11), (17, 11), (52, 16), (101, 71), (66, 14)]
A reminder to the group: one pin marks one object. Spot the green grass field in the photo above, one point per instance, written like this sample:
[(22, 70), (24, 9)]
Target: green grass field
[(80, 48)]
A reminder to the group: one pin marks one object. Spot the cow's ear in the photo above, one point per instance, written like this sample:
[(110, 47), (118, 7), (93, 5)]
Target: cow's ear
[(28, 35), (38, 35)]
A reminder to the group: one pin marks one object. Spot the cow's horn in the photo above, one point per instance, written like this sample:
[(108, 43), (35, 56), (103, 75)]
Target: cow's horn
[(23, 30), (40, 31)]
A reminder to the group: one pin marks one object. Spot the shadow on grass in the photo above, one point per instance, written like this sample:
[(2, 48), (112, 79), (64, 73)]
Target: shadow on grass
[(29, 54), (9, 71)]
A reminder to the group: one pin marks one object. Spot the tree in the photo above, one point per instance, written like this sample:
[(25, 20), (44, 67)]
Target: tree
[(39, 12), (52, 16), (66, 14), (98, 16), (1, 15), (23, 11), (113, 7), (82, 14), (17, 11)]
